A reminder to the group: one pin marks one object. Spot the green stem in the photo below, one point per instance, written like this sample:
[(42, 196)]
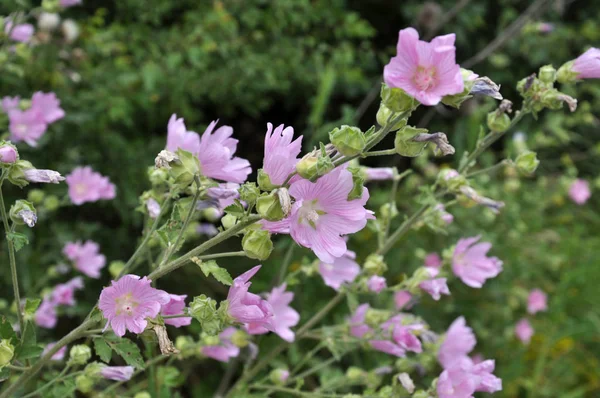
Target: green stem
[(61, 376), (18, 368), (384, 152), (286, 262), (221, 255), (490, 169), (11, 256), (142, 246), (296, 392), (402, 229), (181, 261)]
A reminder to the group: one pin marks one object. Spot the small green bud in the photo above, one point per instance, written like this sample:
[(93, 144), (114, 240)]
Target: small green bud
[(204, 310), (257, 244), (7, 351), (384, 114), (157, 176), (264, 181), (279, 376), (498, 121), (358, 181), (93, 369), (566, 74), (51, 203), (527, 162), (228, 221), (183, 342), (554, 99), (375, 265), (249, 192), (355, 374), (79, 354), (212, 214), (307, 167), (142, 394), (184, 170), (23, 212), (397, 100), (16, 173), (315, 164), (240, 338), (404, 143), (115, 268), (547, 74), (348, 140), (36, 196), (388, 211), (84, 384), (269, 207), (375, 317)]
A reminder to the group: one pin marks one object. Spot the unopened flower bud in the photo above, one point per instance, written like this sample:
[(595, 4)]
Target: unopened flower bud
[(84, 384), (355, 374), (228, 221), (275, 205), (23, 213), (183, 342), (315, 163), (115, 268), (527, 162), (405, 144), (264, 181), (184, 170), (470, 193), (51, 203), (554, 99), (79, 354), (375, 265), (439, 139), (279, 376), (378, 173), (348, 140), (547, 74), (257, 244), (7, 351), (8, 154), (566, 74), (384, 114), (249, 192), (204, 310), (157, 176), (397, 100), (498, 121)]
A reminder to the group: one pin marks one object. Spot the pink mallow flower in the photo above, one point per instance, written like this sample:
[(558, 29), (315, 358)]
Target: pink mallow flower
[(117, 373), (175, 306), (86, 257), (465, 378), (342, 270), (378, 173), (215, 150), (433, 260), (27, 126), (435, 287), (322, 213), (587, 65), (64, 293), (225, 350), (400, 338), (48, 106), (579, 191), (129, 301), (459, 341), (426, 71), (249, 308), (537, 301), (284, 316), (46, 316), (376, 283), (402, 299), (21, 32), (358, 327), (524, 331), (471, 264), (58, 355), (10, 103), (86, 185), (281, 153)]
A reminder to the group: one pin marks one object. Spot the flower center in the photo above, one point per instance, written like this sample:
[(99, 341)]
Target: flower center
[(310, 212), (424, 78), (80, 189), (21, 129), (126, 304)]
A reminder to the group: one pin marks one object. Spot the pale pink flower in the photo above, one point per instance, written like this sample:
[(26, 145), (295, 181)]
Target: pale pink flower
[(153, 208), (487, 381), (358, 327), (322, 213), (179, 138), (537, 301), (281, 153), (48, 106), (21, 32), (378, 173), (343, 270), (10, 103), (58, 355), (433, 260), (249, 308), (43, 176), (46, 316), (579, 191), (86, 185), (444, 215), (225, 350), (284, 316), (129, 301), (459, 341), (524, 331), (64, 293), (175, 306), (401, 339), (86, 257), (69, 3), (117, 373), (471, 264), (27, 126), (435, 287), (464, 377), (402, 298), (276, 227), (587, 65), (8, 154), (426, 71), (376, 283)]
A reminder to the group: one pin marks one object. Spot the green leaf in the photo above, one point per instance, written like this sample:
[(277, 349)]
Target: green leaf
[(18, 240), (6, 331), (31, 305), (29, 351), (103, 350), (169, 231), (64, 389), (236, 209), (212, 268), (128, 350), (28, 347)]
